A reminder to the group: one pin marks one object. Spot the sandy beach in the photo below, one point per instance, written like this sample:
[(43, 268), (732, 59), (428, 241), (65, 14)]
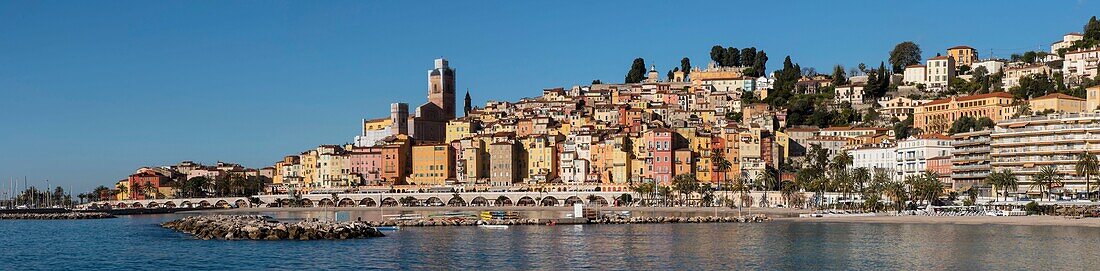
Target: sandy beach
[(961, 220)]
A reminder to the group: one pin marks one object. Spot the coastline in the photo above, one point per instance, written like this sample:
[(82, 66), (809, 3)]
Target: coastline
[(776, 214), (781, 212), (955, 220)]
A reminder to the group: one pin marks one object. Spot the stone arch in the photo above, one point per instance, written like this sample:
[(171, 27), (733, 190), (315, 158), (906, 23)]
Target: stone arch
[(526, 201), (346, 202), (367, 202), (241, 203), (306, 203), (433, 201), (169, 204), (221, 204), (152, 204), (122, 205), (326, 202), (456, 201), (136, 205), (503, 201), (479, 201), (572, 199), (204, 203), (598, 201), (409, 201), (389, 202), (549, 201), (186, 204)]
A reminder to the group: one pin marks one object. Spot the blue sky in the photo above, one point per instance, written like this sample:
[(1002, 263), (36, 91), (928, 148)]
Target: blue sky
[(89, 91)]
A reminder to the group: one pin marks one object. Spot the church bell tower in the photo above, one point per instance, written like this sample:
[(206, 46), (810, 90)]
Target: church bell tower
[(441, 87)]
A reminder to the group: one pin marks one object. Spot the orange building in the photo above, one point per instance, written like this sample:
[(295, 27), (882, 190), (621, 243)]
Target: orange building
[(937, 116), (432, 164)]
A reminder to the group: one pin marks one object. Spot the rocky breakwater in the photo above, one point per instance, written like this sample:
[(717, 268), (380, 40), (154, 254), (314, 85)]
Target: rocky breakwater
[(255, 227), (56, 216)]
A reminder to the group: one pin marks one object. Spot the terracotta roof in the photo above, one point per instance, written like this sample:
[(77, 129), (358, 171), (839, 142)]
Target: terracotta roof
[(938, 58), (961, 47), (915, 66), (984, 96), (1058, 96), (933, 136)]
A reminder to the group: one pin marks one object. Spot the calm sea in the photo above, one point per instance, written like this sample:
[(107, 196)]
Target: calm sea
[(139, 243)]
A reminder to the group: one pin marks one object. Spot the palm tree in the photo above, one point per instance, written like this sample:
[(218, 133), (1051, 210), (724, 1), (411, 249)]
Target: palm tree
[(138, 189), (150, 190), (897, 192), (1087, 165), (1045, 180), (122, 189), (720, 165), (769, 181), (684, 184), (1005, 180)]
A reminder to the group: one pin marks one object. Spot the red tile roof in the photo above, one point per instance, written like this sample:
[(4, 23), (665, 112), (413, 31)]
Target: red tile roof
[(1058, 96)]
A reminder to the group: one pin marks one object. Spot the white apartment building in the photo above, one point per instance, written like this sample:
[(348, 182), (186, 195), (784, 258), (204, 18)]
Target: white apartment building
[(991, 65), (875, 157), (914, 152), (849, 93), (899, 107), (1026, 145), (940, 71), (915, 74), (1066, 42), (1013, 73), (1080, 64)]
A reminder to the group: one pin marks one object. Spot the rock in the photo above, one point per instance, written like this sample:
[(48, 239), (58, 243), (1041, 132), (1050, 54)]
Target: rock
[(55, 216), (237, 227)]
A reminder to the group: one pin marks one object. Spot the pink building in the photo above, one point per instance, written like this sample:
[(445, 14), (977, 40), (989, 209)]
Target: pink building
[(941, 167), (659, 162), (367, 163)]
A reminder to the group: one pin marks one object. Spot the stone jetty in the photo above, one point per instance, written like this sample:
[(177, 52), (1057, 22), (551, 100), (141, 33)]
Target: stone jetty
[(55, 216), (431, 222), (255, 227)]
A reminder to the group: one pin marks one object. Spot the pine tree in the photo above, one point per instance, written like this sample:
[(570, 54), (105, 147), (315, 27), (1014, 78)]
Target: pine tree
[(718, 55), (1092, 29), (685, 65), (733, 57), (637, 71), (759, 66), (748, 57)]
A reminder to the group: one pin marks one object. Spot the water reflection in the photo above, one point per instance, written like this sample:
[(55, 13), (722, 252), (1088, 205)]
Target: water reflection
[(137, 243)]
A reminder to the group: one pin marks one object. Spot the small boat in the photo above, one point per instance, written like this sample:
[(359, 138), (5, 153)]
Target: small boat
[(388, 228), (492, 226)]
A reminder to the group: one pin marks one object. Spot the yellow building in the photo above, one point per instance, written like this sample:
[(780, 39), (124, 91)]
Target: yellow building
[(1092, 98), (475, 152), (461, 128), (542, 157), (621, 158), (963, 55), (124, 190), (1057, 102), (309, 167), (701, 145), (432, 164), (377, 124), (936, 116)]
